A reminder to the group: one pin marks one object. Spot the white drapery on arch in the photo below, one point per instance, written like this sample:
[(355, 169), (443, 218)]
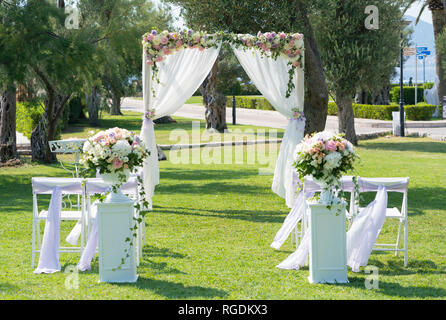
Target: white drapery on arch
[(181, 74), (270, 76)]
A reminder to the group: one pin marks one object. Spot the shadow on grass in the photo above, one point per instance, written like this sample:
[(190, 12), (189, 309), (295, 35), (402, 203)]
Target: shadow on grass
[(159, 267), (174, 290), (395, 289), (198, 174), (246, 215), (402, 145), (396, 267), (8, 288)]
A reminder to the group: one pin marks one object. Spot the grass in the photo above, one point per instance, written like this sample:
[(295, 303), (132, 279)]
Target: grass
[(209, 234)]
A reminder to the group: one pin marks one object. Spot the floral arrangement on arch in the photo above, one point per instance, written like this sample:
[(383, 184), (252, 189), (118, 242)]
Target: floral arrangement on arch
[(114, 151), (325, 156), (288, 46), (159, 45)]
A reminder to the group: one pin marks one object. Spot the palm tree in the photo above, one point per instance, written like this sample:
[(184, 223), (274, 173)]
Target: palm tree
[(437, 8)]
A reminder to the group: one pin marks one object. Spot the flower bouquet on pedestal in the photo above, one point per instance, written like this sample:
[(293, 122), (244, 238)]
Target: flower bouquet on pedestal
[(114, 153), (325, 156)]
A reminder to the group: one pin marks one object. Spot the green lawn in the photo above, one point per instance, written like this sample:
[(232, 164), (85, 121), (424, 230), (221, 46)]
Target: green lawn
[(209, 234)]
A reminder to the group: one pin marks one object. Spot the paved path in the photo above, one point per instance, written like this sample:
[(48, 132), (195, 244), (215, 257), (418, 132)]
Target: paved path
[(273, 119)]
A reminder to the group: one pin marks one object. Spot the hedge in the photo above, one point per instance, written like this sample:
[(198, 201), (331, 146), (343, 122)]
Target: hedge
[(250, 102), (421, 111), (408, 95), (28, 116)]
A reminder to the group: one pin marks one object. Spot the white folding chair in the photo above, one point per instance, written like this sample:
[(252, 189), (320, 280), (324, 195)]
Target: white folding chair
[(310, 187), (399, 185), (70, 212), (130, 188)]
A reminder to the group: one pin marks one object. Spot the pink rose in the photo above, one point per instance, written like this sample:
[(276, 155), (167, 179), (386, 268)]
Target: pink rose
[(179, 43), (116, 163), (292, 43), (296, 63), (331, 145), (287, 52), (150, 62), (197, 39), (156, 47), (112, 141), (150, 37), (164, 40), (159, 59), (119, 136), (134, 144), (282, 35)]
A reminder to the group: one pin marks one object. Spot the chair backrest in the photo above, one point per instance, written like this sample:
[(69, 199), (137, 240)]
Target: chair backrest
[(400, 185), (392, 184), (67, 186), (97, 185), (43, 185), (347, 184)]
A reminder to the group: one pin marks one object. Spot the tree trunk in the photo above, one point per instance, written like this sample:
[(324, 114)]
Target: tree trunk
[(93, 108), (346, 117), (214, 102), (316, 93), (46, 130), (115, 109), (439, 23), (8, 139)]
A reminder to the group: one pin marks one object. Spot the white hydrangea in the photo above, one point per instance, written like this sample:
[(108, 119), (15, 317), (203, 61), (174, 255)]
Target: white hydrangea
[(332, 160), (122, 148)]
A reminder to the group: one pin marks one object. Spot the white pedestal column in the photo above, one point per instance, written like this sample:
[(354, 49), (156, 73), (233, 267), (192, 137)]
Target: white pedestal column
[(328, 246), (115, 218)]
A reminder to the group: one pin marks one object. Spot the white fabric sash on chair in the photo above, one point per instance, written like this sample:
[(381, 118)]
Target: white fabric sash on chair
[(360, 238), (365, 230), (299, 207), (49, 253), (180, 75), (271, 79), (92, 243)]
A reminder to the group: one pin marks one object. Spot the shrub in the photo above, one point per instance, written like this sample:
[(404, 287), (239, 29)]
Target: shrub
[(421, 111), (250, 102), (408, 95), (75, 109), (28, 116)]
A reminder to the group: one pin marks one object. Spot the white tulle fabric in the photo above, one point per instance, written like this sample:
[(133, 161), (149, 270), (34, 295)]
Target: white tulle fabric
[(180, 75), (300, 205), (271, 77), (49, 253), (365, 228)]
